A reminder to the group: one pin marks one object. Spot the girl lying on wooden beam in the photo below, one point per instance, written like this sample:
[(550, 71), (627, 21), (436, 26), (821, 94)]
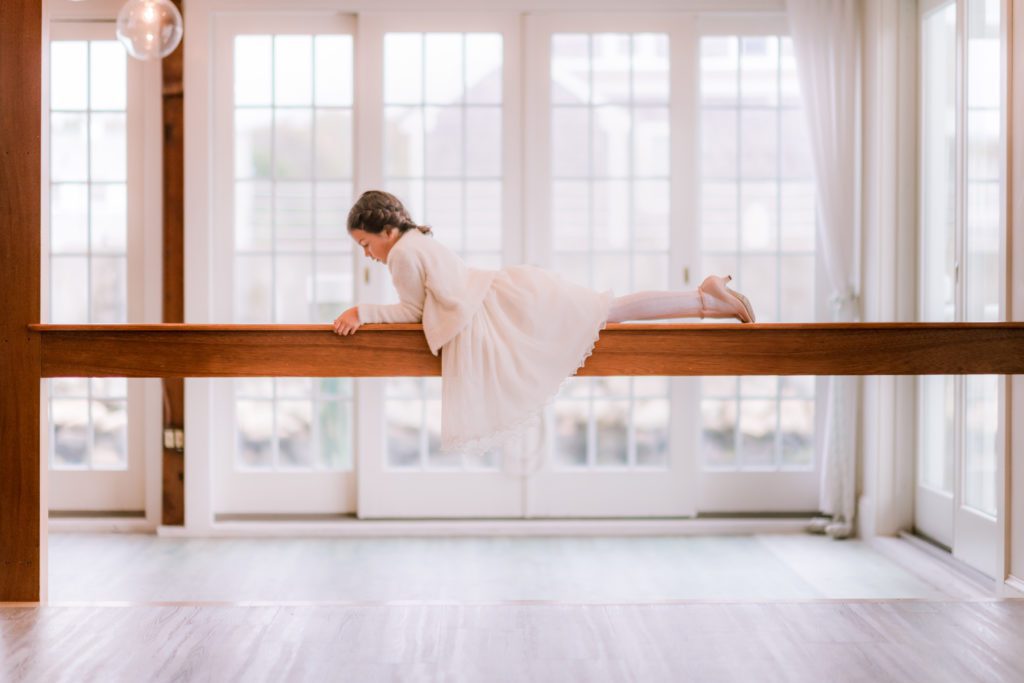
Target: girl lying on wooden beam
[(510, 337)]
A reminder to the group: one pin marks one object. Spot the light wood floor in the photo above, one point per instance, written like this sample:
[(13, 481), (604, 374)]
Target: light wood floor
[(142, 568), (800, 608)]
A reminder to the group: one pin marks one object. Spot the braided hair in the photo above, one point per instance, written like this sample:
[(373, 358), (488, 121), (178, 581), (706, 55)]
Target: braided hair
[(376, 210)]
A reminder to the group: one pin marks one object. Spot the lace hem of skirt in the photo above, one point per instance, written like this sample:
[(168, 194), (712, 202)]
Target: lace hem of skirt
[(479, 445)]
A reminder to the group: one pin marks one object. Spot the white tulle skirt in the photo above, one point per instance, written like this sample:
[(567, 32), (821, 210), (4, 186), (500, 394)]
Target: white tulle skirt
[(532, 332)]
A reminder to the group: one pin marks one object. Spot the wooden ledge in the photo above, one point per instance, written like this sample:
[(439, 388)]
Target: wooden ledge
[(181, 350)]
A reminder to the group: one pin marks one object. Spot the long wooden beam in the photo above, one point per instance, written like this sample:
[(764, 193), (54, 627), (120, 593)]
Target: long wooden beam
[(623, 349)]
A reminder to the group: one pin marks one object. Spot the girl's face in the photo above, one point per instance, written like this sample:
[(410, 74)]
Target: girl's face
[(376, 246)]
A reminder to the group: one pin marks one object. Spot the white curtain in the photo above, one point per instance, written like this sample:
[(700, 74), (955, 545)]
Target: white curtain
[(826, 41)]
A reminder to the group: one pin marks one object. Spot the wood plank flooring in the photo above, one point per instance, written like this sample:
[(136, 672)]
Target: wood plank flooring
[(728, 608), (142, 567), (920, 641)]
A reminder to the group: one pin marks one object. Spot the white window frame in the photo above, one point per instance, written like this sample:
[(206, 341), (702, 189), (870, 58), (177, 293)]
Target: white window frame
[(137, 488)]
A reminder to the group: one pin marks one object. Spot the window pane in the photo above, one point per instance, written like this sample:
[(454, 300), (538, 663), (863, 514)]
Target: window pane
[(571, 433), (293, 144), (253, 70), (937, 435), (293, 289), (294, 433), (981, 441), (444, 160), (650, 142), (70, 420), (252, 289), (444, 131), (403, 68), (69, 217), (108, 77), (334, 69), (759, 66), (757, 433), (293, 216), (484, 61), (69, 82), (109, 290), (403, 432), (252, 216), (332, 202), (255, 422), (611, 214), (69, 147), (110, 435), (333, 145), (444, 79), (293, 70), (796, 421), (651, 421), (650, 68), (719, 144), (759, 216), (253, 142), (483, 215), (570, 68), (570, 142), (651, 214), (758, 223), (610, 147), (336, 435), (719, 70), (110, 141), (718, 433), (938, 142), (109, 218), (403, 142), (69, 290), (483, 142)]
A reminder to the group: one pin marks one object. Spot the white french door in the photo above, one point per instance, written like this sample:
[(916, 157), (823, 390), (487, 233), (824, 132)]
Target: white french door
[(98, 265), (569, 141), (611, 187), (760, 445), (961, 434), (439, 113), (283, 176)]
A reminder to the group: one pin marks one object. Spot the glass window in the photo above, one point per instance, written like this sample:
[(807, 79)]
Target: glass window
[(293, 105), (610, 203), (757, 222), (443, 134), (88, 210)]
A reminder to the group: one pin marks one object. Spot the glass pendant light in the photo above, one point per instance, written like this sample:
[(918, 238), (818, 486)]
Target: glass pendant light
[(149, 29)]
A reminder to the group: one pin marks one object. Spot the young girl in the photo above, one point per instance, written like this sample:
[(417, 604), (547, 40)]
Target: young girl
[(511, 336)]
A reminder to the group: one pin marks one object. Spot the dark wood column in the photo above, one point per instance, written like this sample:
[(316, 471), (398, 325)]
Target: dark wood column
[(174, 271), (22, 524)]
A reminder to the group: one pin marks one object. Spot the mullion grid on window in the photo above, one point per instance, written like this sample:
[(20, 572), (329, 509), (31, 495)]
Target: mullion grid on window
[(423, 394), (87, 254)]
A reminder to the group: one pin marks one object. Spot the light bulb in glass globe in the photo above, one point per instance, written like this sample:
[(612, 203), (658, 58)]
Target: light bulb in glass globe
[(149, 29)]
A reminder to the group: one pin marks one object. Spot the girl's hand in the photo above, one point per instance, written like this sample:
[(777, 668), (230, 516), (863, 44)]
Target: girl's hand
[(347, 322)]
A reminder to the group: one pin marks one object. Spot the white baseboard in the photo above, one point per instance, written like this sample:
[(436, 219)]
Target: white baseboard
[(101, 525), (1013, 587), (512, 527)]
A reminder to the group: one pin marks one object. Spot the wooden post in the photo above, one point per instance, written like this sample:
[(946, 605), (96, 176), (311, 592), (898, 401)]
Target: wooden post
[(173, 505), (22, 521)]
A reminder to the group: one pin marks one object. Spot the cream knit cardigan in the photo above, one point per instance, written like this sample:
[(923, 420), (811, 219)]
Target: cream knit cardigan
[(434, 287)]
